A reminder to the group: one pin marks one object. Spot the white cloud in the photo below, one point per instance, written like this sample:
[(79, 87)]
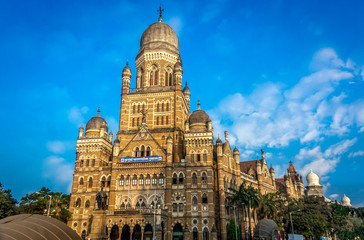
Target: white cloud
[(334, 196), (309, 111), (59, 147), (76, 115), (356, 154), (58, 169)]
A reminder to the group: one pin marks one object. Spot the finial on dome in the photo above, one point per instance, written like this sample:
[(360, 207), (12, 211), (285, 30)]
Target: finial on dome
[(198, 105), (160, 10), (98, 111), (127, 62)]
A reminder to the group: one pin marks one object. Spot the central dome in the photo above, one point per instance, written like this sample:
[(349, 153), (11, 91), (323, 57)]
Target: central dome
[(159, 35), (312, 179)]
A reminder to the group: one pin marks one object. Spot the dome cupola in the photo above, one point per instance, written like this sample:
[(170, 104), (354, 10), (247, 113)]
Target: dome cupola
[(199, 119), (186, 90), (95, 124), (126, 70), (312, 179), (159, 35), (345, 201)]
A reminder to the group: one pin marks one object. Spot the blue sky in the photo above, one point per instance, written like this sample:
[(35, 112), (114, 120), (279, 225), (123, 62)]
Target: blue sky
[(286, 76)]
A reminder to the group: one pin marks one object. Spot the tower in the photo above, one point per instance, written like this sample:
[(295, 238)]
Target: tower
[(313, 187)]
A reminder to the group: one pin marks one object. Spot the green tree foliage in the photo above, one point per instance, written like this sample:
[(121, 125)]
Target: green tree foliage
[(268, 206), (7, 203), (38, 203), (233, 233)]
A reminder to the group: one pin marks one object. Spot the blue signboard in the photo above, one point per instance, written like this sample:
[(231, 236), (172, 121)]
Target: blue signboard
[(141, 159)]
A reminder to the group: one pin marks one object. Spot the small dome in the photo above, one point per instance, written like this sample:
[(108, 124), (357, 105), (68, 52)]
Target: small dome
[(312, 179), (178, 66), (236, 150), (186, 91), (96, 123), (126, 70), (345, 201), (159, 35), (218, 140), (199, 117)]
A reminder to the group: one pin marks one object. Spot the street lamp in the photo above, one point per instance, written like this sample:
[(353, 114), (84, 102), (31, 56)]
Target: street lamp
[(290, 215), (49, 205)]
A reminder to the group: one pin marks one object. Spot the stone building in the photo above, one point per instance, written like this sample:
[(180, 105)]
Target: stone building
[(313, 187), (164, 175)]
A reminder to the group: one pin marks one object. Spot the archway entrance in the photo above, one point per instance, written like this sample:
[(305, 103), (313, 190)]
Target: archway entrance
[(125, 234), (137, 232), (148, 232), (83, 235), (114, 234), (177, 232)]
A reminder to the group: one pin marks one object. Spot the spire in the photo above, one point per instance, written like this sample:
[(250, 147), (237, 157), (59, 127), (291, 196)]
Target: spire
[(98, 111), (127, 62), (198, 105), (160, 10)]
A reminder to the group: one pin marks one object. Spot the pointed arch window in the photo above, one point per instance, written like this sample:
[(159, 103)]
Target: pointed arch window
[(137, 153), (194, 200), (87, 162), (205, 157), (122, 206), (78, 202), (174, 180), (81, 181), (154, 180), (141, 180), (147, 180), (166, 119), (161, 179), (81, 163), (137, 205), (148, 152), (135, 180), (127, 181), (204, 177), (133, 122), (90, 183), (121, 182), (162, 107), (205, 234), (108, 181), (194, 178), (162, 120), (93, 162), (157, 107), (133, 108), (204, 198), (142, 151), (166, 79), (181, 178), (138, 108), (167, 107), (87, 204)]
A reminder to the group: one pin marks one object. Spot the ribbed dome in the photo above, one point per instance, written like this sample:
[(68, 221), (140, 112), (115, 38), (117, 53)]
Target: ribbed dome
[(199, 116), (178, 66), (159, 35), (345, 200), (312, 179), (186, 90), (96, 123), (126, 70)]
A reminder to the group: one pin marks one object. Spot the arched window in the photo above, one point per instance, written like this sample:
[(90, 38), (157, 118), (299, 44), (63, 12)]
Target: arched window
[(137, 205), (161, 179), (166, 79), (180, 179), (194, 178), (157, 120), (87, 162), (170, 79), (143, 204), (147, 180), (90, 183), (143, 108), (156, 77), (137, 121), (205, 157), (141, 180), (122, 206), (204, 198), (87, 204), (204, 177), (195, 234), (137, 153), (174, 181), (154, 180), (142, 151), (135, 180), (108, 181), (180, 207), (127, 181), (157, 107), (192, 157), (133, 122), (81, 163), (93, 162), (194, 200), (205, 234), (138, 108), (133, 108), (121, 182), (78, 202), (162, 107), (175, 207), (148, 151), (151, 78), (166, 119), (198, 157), (81, 181), (167, 107), (162, 122), (103, 181)]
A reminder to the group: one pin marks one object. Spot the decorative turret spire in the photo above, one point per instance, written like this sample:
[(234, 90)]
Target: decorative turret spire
[(198, 105), (98, 111), (160, 10)]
